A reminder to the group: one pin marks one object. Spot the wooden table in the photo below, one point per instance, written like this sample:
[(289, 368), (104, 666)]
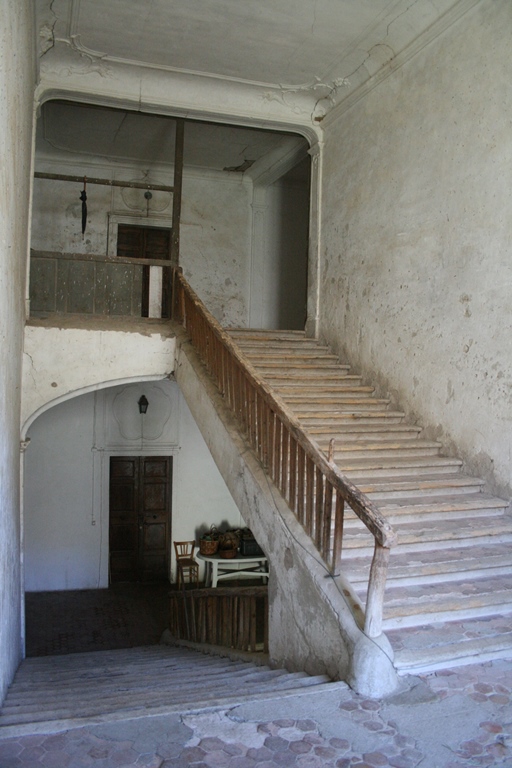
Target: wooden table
[(245, 566)]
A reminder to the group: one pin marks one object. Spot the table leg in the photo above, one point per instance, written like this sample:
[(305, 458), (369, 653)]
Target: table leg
[(214, 573)]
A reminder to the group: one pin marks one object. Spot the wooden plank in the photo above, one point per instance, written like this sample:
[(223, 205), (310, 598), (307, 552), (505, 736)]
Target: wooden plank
[(102, 257), (376, 589), (103, 182), (337, 545)]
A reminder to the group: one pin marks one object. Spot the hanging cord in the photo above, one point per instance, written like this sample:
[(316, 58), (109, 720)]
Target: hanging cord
[(83, 198)]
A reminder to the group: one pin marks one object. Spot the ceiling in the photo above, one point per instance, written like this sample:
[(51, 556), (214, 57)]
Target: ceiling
[(323, 51), (67, 130), (280, 42)]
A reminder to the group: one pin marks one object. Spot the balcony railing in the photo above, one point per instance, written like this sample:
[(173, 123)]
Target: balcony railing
[(313, 486), (230, 617), (98, 285)]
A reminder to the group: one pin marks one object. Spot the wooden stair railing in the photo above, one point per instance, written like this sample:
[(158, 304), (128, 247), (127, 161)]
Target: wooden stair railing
[(313, 486), (230, 617)]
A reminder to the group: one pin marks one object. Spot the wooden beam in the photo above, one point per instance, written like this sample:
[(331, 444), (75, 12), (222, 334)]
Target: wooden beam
[(104, 182), (176, 200)]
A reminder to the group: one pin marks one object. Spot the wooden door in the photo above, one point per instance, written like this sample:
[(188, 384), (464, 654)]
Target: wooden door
[(137, 242), (140, 517)]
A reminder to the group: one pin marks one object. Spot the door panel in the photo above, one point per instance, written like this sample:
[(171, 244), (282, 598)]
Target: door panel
[(140, 517)]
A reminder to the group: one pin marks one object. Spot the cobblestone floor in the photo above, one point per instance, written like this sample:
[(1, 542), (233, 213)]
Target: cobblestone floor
[(450, 719)]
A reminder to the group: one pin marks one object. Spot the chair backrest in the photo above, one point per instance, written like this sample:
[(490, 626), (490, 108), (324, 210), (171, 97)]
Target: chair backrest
[(184, 549)]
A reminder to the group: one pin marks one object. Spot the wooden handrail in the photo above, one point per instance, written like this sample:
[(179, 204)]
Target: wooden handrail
[(314, 488)]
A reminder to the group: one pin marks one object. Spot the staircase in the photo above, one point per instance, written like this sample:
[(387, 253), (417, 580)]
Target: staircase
[(450, 576), (58, 692)]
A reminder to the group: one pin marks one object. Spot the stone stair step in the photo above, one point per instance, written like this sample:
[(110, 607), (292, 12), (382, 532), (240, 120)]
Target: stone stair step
[(464, 599), (347, 449), (353, 432), (312, 367), (262, 334), (348, 405), (81, 686), (449, 644), (381, 467), (410, 509), (437, 565), (315, 385), (338, 420), (394, 487), (329, 397), (414, 537)]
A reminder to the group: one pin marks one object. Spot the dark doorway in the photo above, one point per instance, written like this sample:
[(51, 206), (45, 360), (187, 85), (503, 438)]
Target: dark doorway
[(137, 242), (140, 518)]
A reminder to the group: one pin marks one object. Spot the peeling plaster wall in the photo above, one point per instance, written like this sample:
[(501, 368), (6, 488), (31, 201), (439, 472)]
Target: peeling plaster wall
[(215, 225), (59, 362), (416, 272), (17, 77), (67, 475)]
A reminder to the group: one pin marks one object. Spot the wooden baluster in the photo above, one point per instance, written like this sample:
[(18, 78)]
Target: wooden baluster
[(319, 506), (327, 523), (264, 433), (376, 589), (278, 432), (301, 483), (284, 462), (310, 495), (337, 545), (293, 475), (271, 425)]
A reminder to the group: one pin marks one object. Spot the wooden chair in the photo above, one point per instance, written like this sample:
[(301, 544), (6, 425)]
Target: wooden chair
[(186, 565)]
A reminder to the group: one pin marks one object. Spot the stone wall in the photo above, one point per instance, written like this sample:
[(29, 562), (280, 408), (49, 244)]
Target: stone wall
[(416, 268), (17, 77)]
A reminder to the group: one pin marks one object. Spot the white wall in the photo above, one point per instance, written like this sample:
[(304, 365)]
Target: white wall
[(17, 76), (416, 276), (285, 272), (67, 470)]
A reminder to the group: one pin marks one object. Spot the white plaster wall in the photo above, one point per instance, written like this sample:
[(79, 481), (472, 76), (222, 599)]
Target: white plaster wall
[(416, 272), (215, 239), (59, 362), (215, 226), (17, 79), (67, 475), (286, 253)]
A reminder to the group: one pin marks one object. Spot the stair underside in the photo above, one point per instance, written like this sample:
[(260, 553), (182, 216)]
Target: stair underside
[(55, 692), (452, 561)]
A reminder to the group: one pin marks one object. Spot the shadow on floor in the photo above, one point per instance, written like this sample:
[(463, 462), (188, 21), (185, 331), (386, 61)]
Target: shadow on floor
[(74, 621)]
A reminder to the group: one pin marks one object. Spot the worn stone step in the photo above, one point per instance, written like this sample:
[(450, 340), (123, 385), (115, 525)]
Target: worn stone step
[(425, 535), (284, 357), (394, 487), (264, 334), (348, 405), (463, 599), (435, 565), (412, 508), (451, 643), (345, 449), (338, 420), (353, 432), (314, 385), (381, 467), (325, 397)]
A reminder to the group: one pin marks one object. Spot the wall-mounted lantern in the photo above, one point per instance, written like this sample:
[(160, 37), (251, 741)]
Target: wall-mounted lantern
[(143, 404)]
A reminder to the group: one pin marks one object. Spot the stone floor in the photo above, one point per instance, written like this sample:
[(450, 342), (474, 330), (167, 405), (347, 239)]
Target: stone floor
[(451, 719)]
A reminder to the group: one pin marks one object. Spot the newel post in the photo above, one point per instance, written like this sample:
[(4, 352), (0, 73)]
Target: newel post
[(376, 588)]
